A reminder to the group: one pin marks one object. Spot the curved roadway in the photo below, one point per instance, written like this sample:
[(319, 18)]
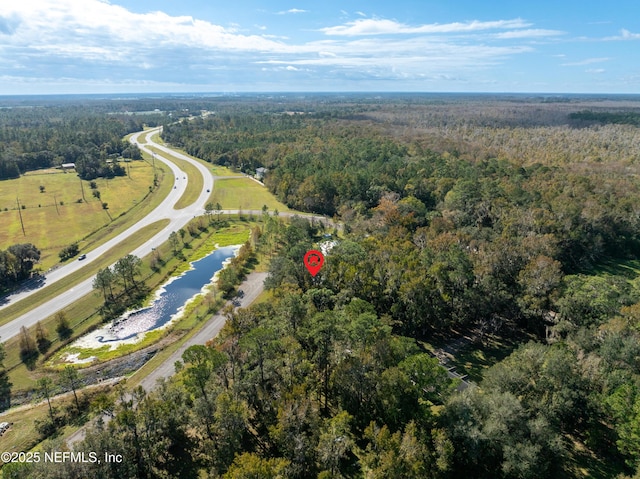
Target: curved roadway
[(178, 219), (166, 210)]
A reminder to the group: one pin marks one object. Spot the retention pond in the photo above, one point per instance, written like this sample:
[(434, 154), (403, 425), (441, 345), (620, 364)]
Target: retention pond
[(168, 304)]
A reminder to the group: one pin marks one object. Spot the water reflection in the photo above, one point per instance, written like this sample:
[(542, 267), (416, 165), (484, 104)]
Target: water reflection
[(168, 303)]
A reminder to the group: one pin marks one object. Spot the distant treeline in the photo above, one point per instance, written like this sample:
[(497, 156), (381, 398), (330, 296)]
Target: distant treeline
[(623, 118), (355, 169), (38, 137)]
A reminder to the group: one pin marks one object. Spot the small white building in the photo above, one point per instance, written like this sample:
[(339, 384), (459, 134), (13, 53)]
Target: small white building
[(260, 172)]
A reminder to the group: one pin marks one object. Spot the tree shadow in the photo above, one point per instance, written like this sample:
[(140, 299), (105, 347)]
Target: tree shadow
[(36, 282), (29, 357)]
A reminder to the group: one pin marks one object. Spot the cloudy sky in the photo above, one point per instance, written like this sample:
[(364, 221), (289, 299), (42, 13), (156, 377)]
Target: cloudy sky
[(116, 46)]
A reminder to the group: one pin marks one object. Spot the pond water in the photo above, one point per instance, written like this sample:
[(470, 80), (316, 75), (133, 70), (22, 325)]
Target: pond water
[(169, 302)]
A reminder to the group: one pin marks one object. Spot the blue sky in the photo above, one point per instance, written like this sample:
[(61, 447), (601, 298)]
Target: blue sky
[(118, 46)]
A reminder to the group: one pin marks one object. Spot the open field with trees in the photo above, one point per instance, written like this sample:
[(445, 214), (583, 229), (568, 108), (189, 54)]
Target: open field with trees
[(86, 137), (58, 215), (511, 220)]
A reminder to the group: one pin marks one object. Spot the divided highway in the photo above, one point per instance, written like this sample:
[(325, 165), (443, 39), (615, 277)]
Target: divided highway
[(166, 210), (252, 286)]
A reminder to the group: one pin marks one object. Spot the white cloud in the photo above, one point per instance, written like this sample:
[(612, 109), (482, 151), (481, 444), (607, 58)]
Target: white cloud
[(587, 61), (528, 33), (67, 27), (595, 70), (292, 10), (393, 58), (625, 35), (372, 26), (275, 37), (87, 40)]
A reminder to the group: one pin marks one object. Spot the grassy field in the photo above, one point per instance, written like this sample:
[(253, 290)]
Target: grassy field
[(54, 219), (17, 309), (22, 435), (244, 194), (216, 170), (196, 181), (476, 358), (629, 268), (231, 193)]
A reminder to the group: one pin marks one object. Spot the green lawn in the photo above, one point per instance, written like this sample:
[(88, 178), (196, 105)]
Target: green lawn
[(585, 463), (196, 181), (216, 170), (629, 268), (23, 436), (54, 219), (243, 194), (140, 237), (476, 358)]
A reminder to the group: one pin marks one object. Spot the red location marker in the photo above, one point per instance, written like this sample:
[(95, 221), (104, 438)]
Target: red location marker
[(313, 261)]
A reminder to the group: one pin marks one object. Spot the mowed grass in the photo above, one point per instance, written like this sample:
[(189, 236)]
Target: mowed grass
[(51, 225), (476, 358), (243, 194), (195, 179), (49, 292), (629, 268), (216, 170)]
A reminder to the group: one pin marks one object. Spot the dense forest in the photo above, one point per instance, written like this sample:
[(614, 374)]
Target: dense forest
[(500, 218), (628, 118)]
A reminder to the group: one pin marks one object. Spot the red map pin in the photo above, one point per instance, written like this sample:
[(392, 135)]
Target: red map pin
[(313, 261)]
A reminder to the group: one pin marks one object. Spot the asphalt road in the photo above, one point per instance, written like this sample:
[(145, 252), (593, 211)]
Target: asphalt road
[(166, 210)]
